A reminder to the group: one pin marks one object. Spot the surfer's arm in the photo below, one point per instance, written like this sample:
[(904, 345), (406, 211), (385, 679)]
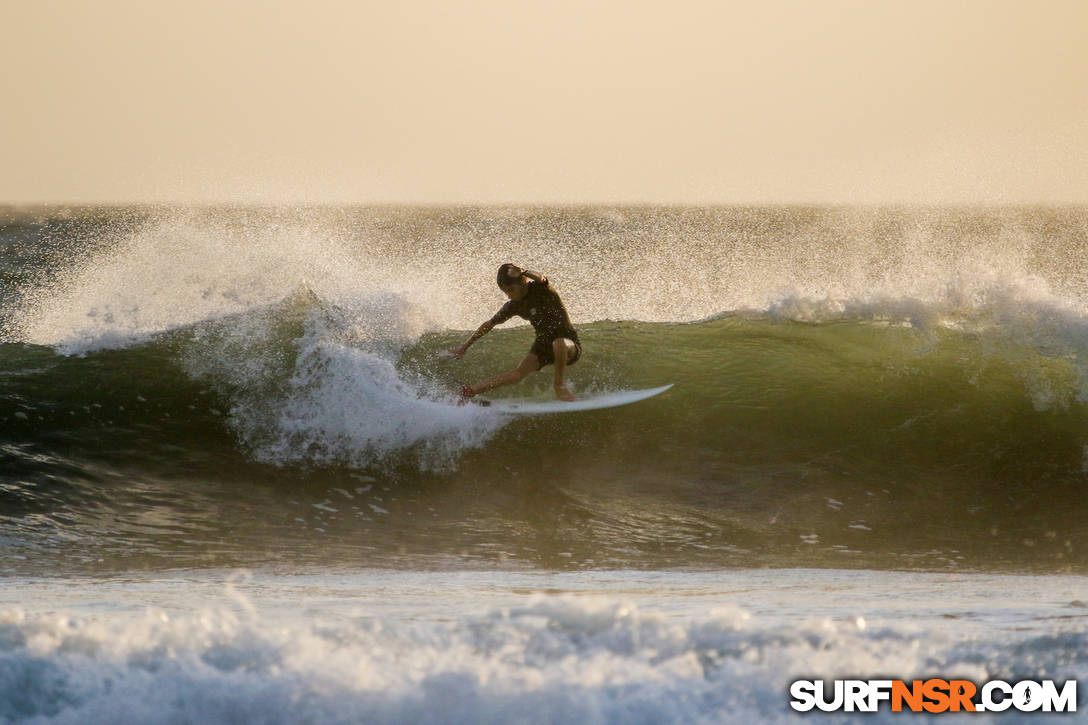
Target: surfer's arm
[(480, 332), (505, 313)]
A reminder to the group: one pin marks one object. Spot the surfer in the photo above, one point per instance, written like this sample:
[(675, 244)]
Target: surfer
[(534, 299)]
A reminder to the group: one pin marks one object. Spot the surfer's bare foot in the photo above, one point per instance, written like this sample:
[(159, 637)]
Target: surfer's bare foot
[(562, 393)]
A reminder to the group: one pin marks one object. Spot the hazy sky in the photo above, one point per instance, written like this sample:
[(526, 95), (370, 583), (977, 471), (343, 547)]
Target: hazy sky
[(550, 101)]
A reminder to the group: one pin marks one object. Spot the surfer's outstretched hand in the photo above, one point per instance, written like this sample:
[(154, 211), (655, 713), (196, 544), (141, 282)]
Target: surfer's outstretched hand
[(454, 353)]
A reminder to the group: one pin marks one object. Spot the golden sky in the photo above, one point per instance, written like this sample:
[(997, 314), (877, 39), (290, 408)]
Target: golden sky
[(674, 101)]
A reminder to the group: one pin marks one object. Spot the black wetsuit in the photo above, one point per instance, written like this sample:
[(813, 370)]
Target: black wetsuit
[(542, 307)]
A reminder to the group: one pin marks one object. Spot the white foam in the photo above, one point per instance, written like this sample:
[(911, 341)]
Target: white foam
[(336, 395), (538, 659)]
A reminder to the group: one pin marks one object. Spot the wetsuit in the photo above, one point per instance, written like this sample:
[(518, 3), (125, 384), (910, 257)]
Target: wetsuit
[(542, 307)]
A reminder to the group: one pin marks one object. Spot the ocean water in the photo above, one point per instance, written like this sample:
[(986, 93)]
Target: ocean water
[(234, 486)]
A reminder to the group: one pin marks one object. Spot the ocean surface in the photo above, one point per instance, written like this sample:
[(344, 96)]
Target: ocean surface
[(235, 487)]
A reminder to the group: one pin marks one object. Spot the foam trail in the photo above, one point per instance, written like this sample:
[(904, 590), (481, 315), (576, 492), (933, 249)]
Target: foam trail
[(345, 404)]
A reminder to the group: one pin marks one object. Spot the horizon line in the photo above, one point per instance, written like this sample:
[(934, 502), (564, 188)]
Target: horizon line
[(211, 203)]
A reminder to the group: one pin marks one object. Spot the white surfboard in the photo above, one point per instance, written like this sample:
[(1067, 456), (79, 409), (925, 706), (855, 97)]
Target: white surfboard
[(608, 400)]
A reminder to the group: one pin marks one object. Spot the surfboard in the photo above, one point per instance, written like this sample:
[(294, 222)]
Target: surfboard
[(607, 400)]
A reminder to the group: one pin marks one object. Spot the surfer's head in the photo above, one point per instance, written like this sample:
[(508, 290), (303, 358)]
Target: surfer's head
[(509, 274), (511, 280)]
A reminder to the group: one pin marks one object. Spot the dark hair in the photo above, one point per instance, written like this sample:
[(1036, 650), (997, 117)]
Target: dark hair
[(508, 274)]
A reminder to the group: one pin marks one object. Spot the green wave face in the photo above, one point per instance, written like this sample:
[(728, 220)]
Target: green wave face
[(845, 444)]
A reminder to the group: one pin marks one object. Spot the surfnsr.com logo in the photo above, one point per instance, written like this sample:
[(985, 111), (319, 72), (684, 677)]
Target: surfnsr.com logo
[(934, 696)]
